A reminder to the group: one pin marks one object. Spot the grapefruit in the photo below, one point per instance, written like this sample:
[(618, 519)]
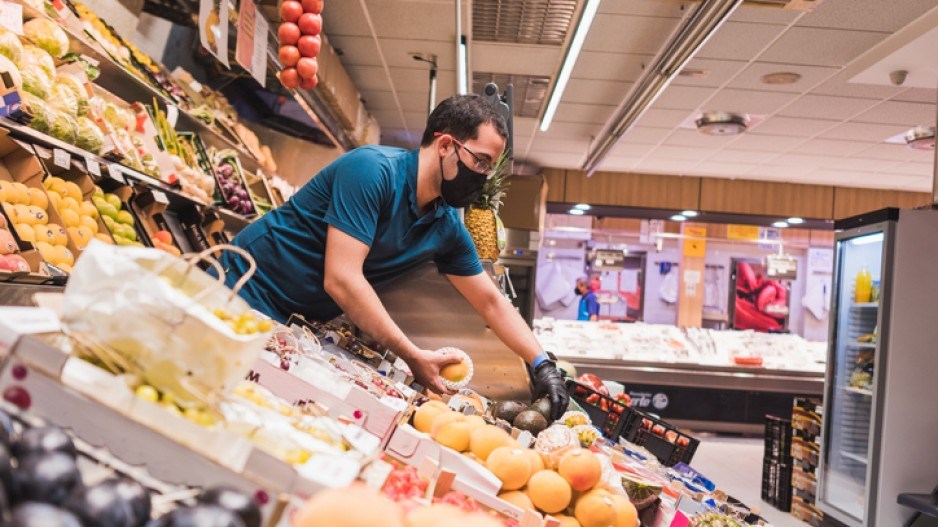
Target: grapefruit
[(353, 506), (443, 419), (510, 465), (566, 521), (626, 514), (596, 509), (429, 516), (537, 462), (581, 468), (474, 422), (549, 491), (518, 499), (455, 372), (425, 415), (454, 435), (485, 439)]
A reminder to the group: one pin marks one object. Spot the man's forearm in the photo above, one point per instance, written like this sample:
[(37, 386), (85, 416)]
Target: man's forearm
[(511, 328), (361, 304)]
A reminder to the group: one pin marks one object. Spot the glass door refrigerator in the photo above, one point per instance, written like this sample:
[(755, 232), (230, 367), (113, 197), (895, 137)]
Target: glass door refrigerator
[(880, 434)]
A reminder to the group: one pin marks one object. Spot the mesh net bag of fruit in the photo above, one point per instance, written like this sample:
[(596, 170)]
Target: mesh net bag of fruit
[(160, 317)]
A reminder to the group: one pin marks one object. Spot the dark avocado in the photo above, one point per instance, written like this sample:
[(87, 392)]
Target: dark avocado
[(531, 421), (508, 410), (543, 407)]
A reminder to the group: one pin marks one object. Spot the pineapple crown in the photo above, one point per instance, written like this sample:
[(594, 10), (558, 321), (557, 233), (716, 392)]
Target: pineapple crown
[(496, 186)]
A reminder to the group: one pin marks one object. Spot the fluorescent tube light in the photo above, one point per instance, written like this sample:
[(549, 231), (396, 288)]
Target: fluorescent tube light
[(462, 68), (579, 37), (868, 239), (576, 212), (582, 206)]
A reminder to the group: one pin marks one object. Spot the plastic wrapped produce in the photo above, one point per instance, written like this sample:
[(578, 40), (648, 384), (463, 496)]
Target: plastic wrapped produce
[(48, 35), (10, 46), (62, 98), (36, 82), (40, 114), (34, 57), (7, 66), (63, 127), (78, 90), (89, 136)]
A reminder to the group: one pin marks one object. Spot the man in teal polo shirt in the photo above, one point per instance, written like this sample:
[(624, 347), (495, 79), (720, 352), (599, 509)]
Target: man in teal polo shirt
[(373, 215)]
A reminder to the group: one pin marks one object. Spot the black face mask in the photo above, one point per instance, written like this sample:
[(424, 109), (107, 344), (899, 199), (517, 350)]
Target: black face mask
[(577, 291), (465, 188)]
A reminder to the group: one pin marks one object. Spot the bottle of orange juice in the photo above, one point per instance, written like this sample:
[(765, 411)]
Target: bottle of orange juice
[(864, 287)]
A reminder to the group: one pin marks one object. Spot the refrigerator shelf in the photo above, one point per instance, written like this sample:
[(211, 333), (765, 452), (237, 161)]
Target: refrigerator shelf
[(859, 391), (862, 345), (865, 305), (855, 457)]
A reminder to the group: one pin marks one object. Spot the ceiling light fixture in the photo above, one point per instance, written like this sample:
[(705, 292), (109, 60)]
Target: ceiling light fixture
[(920, 138), (781, 77), (795, 221), (582, 206), (576, 212), (689, 38), (462, 68), (780, 224), (573, 52), (690, 214), (722, 123), (678, 217)]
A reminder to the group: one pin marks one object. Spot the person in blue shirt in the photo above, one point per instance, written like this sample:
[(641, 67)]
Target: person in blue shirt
[(376, 213), (589, 306)]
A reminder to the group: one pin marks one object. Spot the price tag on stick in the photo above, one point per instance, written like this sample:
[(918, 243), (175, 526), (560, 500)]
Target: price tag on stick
[(61, 158), (94, 168)]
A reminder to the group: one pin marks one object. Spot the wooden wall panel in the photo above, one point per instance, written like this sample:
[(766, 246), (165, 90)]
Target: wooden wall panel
[(555, 178), (524, 204), (633, 190), (764, 198), (852, 201)]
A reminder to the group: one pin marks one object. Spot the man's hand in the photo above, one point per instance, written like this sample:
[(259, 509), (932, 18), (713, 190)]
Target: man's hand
[(426, 365), (548, 382)]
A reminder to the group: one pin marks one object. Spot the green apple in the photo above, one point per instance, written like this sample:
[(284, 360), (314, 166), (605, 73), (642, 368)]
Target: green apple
[(108, 210), (113, 200), (127, 232), (109, 221), (120, 240), (125, 217), (98, 192)]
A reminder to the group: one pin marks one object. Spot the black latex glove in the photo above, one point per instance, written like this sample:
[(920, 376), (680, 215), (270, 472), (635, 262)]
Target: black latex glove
[(547, 381)]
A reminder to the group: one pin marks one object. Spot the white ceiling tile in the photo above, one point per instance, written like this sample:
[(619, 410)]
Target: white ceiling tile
[(356, 50), (525, 126), (874, 133), (827, 107), (839, 86), (762, 15), (830, 147), (891, 152), (683, 97), (679, 152), (866, 179), (361, 51), (514, 59), (418, 81), (721, 169), (739, 41), (384, 100), (804, 161), (918, 95), (393, 21), (743, 156), (661, 118), (820, 47), (718, 72), (780, 173), (864, 165), (583, 113), (654, 8), (903, 113), (914, 169), (554, 160), (666, 166), (391, 118), (560, 146), (684, 137), (345, 18), (796, 127), (640, 135), (369, 78), (629, 34), (751, 102), (578, 131), (624, 149), (586, 91), (751, 77), (610, 66), (866, 15), (619, 164), (922, 185), (765, 143)]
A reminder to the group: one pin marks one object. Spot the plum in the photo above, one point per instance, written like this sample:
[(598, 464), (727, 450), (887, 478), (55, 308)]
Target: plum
[(235, 501)]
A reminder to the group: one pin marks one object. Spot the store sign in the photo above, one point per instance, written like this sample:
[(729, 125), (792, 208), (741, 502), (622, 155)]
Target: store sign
[(781, 267), (213, 28), (251, 50), (695, 245), (742, 232), (608, 260)]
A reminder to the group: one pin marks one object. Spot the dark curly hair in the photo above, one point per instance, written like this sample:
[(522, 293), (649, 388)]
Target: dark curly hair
[(461, 116)]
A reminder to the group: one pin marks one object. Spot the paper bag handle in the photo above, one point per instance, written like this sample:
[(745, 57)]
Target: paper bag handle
[(205, 256)]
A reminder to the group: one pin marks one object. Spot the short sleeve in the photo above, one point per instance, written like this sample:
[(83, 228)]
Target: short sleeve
[(592, 305), (459, 257), (360, 189)]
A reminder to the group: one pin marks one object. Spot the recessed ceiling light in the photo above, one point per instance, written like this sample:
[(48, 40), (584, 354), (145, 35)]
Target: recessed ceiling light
[(722, 123), (780, 224), (678, 217), (689, 213), (781, 77), (575, 212), (582, 206), (795, 221), (920, 138)]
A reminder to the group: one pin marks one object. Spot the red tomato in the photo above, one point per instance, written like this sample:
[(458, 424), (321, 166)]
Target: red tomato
[(309, 45), (310, 24), (164, 237), (683, 442), (658, 430), (670, 436), (290, 78), (288, 34), (309, 84), (307, 68), (646, 424), (289, 56), (312, 6), (290, 10)]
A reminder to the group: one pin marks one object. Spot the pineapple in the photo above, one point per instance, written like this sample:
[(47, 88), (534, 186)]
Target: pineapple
[(482, 216)]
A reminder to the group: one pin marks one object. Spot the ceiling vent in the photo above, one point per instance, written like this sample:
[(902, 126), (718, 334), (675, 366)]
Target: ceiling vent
[(529, 90), (794, 5), (722, 123), (920, 138), (544, 22)]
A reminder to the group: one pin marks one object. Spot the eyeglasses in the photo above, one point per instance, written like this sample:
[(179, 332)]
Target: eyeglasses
[(481, 166)]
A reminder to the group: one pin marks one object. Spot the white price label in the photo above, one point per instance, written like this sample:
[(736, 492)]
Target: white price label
[(94, 168), (196, 86), (116, 172), (330, 471), (397, 404), (172, 115), (376, 473), (360, 440), (18, 321), (159, 197), (61, 158), (11, 17)]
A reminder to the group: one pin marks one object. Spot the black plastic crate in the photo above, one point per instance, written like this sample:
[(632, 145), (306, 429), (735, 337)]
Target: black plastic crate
[(778, 436), (776, 484), (607, 414), (664, 440)]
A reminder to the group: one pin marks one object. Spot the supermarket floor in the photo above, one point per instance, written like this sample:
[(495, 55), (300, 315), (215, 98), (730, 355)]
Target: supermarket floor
[(735, 465)]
